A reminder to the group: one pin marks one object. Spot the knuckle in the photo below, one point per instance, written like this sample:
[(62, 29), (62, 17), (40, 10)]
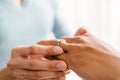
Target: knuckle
[(66, 38), (15, 74), (59, 74), (79, 39), (32, 64), (39, 75), (50, 50), (88, 47), (14, 51), (69, 39), (71, 46), (10, 63), (19, 74), (51, 66), (31, 49), (40, 42)]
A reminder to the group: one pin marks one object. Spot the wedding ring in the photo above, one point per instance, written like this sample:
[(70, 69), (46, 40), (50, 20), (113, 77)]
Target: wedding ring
[(58, 43)]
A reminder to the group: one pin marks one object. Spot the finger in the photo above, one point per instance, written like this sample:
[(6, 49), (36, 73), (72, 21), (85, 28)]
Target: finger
[(67, 71), (34, 79), (54, 42), (58, 78), (35, 64), (62, 78), (81, 31), (55, 78), (35, 75), (66, 46), (36, 50), (48, 42), (39, 79), (76, 39), (51, 79), (68, 39)]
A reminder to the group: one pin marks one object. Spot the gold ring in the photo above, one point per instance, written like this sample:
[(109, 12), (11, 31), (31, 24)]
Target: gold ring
[(58, 43)]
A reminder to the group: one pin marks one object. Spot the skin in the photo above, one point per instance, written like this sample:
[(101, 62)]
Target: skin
[(84, 54), (31, 63), (87, 56)]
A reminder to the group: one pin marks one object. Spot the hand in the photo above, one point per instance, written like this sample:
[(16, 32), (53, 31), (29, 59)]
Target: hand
[(30, 63), (89, 57)]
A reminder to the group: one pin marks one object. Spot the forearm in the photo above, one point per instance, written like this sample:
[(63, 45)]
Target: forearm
[(5, 74)]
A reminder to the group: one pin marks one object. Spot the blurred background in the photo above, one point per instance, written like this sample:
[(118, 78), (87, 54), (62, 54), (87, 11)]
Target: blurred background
[(101, 17)]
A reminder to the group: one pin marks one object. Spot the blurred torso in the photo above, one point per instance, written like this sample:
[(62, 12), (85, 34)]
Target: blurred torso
[(23, 24)]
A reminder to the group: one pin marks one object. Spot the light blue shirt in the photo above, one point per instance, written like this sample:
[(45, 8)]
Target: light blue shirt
[(24, 25)]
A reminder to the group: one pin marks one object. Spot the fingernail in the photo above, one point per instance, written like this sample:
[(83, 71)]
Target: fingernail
[(58, 50), (61, 66), (67, 71), (62, 78)]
